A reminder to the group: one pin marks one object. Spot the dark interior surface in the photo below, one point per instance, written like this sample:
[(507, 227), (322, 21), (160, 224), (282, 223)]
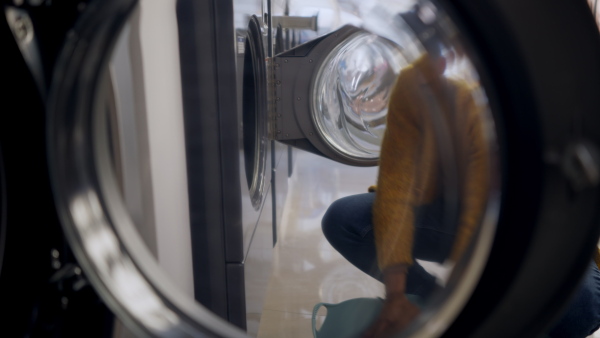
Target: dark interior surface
[(254, 109), (249, 114), (541, 222)]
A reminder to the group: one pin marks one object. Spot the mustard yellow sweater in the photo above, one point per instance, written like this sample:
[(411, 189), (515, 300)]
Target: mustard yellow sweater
[(409, 163)]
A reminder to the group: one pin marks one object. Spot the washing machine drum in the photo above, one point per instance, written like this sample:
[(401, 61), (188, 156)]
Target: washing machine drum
[(488, 106)]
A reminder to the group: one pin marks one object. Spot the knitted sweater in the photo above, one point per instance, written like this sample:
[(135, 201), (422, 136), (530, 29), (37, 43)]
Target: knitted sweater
[(409, 163), (409, 172)]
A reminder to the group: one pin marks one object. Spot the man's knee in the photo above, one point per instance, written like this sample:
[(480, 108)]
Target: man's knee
[(582, 316), (348, 217), (332, 220)]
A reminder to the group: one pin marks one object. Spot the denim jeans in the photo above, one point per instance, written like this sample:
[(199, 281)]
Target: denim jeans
[(582, 316), (348, 227)]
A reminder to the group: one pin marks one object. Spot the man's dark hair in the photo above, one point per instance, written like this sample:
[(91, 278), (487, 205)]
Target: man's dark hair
[(429, 34)]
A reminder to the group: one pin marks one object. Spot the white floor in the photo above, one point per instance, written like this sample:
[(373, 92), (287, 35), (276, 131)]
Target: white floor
[(307, 270)]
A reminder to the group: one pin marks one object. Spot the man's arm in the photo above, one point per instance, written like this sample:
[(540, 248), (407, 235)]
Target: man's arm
[(393, 216), (477, 170)]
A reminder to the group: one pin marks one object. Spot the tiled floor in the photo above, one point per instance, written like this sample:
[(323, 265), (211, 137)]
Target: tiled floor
[(307, 270)]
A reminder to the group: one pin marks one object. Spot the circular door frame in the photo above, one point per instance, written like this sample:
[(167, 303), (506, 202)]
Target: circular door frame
[(543, 219), (525, 90), (292, 119)]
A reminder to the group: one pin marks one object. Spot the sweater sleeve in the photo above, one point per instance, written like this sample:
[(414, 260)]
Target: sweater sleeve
[(476, 185), (393, 215)]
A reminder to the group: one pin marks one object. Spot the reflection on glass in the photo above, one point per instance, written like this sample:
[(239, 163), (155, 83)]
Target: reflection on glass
[(134, 293), (352, 92), (434, 182)]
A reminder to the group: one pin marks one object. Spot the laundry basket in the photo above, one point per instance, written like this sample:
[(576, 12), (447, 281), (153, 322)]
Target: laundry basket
[(350, 318)]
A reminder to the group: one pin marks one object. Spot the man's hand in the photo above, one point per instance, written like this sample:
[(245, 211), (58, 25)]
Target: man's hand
[(397, 312)]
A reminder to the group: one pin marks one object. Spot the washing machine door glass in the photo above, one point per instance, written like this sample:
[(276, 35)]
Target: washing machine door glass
[(334, 90), (452, 105), (351, 91)]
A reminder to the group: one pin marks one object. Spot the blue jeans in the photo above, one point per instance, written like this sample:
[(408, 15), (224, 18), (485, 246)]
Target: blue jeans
[(348, 227), (582, 316)]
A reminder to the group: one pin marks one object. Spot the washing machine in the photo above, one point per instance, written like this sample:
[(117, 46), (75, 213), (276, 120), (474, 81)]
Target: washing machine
[(145, 150)]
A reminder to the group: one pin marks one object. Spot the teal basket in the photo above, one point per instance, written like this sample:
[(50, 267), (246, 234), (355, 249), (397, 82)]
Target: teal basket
[(350, 318)]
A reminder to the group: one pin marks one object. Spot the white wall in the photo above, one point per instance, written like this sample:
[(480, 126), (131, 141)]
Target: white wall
[(160, 52)]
